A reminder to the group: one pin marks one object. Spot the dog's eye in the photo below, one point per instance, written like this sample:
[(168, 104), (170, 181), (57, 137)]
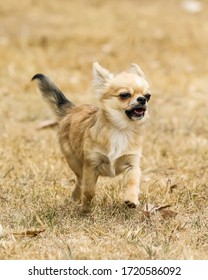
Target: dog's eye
[(125, 95), (147, 96)]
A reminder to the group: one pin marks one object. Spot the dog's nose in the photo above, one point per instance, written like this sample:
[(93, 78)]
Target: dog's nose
[(141, 100)]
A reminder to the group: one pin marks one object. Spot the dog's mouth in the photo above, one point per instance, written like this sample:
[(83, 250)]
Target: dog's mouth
[(136, 113)]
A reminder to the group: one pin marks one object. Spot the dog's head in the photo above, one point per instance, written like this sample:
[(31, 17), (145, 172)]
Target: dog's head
[(123, 97)]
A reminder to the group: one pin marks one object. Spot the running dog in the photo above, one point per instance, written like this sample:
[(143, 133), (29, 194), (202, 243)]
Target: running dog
[(103, 140)]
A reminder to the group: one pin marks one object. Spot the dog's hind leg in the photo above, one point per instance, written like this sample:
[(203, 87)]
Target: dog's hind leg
[(88, 185), (77, 192)]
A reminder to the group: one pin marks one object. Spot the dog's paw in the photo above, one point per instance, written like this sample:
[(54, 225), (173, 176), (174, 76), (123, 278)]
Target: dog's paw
[(130, 204), (85, 210)]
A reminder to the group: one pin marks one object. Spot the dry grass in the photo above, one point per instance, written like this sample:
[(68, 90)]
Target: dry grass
[(62, 39)]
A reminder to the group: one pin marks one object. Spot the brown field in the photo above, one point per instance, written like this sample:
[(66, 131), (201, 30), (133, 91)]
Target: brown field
[(62, 39)]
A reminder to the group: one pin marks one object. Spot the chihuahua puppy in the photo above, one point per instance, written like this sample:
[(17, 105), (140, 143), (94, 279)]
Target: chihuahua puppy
[(104, 140)]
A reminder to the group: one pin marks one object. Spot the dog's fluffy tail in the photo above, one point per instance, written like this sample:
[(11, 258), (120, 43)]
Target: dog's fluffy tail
[(59, 104)]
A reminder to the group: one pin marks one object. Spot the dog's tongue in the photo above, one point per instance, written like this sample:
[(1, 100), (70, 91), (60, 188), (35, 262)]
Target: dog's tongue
[(138, 111)]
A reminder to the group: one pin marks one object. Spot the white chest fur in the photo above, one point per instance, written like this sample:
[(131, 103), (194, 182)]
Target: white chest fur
[(119, 143)]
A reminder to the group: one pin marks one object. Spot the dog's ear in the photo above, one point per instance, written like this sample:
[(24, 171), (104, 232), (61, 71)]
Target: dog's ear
[(136, 70), (101, 77)]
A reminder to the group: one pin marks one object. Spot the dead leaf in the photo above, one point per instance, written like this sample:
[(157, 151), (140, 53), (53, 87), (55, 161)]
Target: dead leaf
[(28, 233), (159, 208), (166, 214), (47, 123), (150, 209)]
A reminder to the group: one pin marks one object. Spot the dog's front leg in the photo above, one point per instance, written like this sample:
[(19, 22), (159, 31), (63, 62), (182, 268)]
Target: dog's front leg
[(132, 177), (88, 185)]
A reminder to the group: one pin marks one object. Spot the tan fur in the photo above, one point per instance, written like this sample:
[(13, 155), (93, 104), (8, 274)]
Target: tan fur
[(104, 141)]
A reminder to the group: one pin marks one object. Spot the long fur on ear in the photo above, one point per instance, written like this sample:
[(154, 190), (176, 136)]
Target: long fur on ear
[(136, 70), (101, 77)]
